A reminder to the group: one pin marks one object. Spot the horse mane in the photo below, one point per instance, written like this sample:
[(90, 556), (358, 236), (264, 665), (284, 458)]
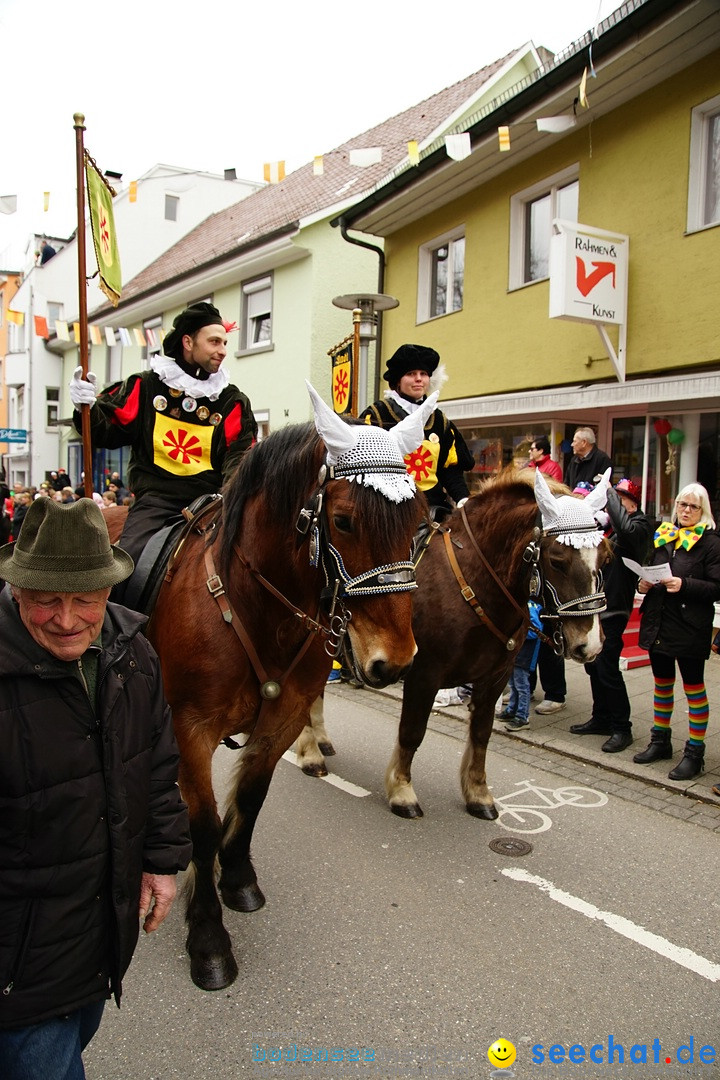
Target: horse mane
[(507, 502), (284, 468)]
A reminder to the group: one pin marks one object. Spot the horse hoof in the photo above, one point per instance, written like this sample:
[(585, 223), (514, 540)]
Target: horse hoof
[(314, 769), (213, 972), (326, 749), (247, 898), (407, 810), (486, 811)]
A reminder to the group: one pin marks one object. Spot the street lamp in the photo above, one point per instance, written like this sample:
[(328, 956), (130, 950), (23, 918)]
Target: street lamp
[(368, 305)]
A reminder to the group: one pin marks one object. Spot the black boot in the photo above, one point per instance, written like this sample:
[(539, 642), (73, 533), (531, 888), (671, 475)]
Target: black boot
[(658, 749), (691, 763)]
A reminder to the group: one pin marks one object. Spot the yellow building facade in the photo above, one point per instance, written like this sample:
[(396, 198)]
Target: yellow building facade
[(642, 162)]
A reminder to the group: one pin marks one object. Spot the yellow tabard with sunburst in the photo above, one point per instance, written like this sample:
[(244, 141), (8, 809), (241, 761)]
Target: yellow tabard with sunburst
[(422, 464), (181, 448)]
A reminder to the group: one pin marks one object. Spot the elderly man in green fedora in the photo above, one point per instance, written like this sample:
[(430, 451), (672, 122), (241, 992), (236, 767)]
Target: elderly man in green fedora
[(93, 826)]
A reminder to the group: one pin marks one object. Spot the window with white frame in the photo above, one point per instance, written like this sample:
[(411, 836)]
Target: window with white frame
[(171, 207), (704, 185), (54, 312), (52, 405), (441, 275), (256, 325), (531, 216)]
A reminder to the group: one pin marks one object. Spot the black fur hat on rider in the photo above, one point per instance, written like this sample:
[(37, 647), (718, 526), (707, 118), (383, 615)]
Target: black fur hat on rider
[(410, 358), (189, 322)]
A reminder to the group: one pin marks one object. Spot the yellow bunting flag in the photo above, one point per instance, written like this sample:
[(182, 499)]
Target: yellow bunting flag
[(17, 317), (61, 329), (139, 336), (318, 165), (102, 224), (132, 191), (95, 335), (413, 152), (274, 172), (76, 331), (582, 92), (41, 326), (503, 138), (46, 200)]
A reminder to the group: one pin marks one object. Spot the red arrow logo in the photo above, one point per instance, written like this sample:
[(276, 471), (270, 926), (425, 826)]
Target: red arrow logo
[(587, 282)]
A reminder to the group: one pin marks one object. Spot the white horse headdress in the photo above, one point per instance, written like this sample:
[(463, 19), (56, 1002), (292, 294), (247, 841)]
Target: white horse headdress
[(570, 520), (370, 455)]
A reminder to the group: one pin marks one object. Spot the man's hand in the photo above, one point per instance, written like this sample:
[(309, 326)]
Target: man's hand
[(158, 889), (83, 391)]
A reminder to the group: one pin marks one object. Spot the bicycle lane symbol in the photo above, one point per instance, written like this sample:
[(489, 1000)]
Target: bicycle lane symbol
[(524, 810)]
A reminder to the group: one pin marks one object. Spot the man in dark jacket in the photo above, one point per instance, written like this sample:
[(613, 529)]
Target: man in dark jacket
[(588, 462), (187, 425), (93, 826), (629, 532), (439, 464)]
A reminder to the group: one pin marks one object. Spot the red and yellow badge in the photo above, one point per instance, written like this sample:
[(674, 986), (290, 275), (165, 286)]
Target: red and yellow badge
[(422, 464), (179, 447)]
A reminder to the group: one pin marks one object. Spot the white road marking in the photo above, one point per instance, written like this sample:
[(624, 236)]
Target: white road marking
[(336, 781), (685, 957)]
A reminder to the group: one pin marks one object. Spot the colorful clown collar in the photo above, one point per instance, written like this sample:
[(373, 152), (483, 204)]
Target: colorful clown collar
[(668, 533)]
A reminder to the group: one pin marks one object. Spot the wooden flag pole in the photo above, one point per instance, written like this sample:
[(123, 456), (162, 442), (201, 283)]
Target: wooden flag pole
[(79, 119)]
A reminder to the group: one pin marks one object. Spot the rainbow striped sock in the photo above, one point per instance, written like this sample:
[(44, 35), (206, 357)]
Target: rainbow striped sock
[(698, 712), (663, 702)]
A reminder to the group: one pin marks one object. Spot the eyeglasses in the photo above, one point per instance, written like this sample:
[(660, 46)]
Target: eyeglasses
[(688, 506)]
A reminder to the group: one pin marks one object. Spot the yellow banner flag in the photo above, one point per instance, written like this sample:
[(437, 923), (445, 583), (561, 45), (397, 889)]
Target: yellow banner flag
[(318, 165), (102, 224), (95, 335), (46, 200), (413, 152), (139, 336), (503, 138), (76, 331), (17, 317), (132, 191), (274, 172), (582, 92)]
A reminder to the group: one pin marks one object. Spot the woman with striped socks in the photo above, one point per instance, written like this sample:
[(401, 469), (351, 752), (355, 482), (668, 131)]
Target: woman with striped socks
[(677, 625)]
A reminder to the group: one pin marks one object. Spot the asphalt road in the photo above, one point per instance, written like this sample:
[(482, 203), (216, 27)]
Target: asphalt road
[(392, 948)]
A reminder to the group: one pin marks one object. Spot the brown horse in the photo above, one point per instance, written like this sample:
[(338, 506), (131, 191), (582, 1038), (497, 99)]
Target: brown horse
[(469, 619), (314, 540)]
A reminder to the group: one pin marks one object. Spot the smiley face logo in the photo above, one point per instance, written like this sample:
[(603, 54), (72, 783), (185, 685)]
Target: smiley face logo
[(501, 1054)]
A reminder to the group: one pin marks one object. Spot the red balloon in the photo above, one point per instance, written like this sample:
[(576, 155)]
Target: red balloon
[(662, 426)]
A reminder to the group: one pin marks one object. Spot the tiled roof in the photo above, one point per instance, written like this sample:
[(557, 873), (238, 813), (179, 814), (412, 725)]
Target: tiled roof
[(278, 207)]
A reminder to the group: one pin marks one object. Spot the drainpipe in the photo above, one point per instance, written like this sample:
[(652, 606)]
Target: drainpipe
[(380, 289)]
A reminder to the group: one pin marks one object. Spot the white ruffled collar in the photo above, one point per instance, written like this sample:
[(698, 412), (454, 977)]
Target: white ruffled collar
[(407, 406), (170, 372)]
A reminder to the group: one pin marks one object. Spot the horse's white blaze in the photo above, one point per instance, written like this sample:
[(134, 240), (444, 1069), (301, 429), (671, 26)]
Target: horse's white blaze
[(589, 643)]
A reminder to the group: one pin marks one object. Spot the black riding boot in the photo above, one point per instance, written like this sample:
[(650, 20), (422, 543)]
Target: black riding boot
[(691, 763), (658, 749)]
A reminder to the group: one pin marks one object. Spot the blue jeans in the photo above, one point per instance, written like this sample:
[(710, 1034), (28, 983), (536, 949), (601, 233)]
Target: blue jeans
[(51, 1050)]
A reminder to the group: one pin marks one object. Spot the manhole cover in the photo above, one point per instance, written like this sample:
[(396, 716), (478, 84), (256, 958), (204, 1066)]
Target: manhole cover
[(507, 845)]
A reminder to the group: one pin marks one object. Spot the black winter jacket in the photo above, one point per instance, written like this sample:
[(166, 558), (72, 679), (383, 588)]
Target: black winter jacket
[(88, 801), (629, 538), (681, 624), (590, 469)]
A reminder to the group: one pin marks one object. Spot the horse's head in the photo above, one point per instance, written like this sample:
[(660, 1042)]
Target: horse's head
[(369, 513), (572, 553)]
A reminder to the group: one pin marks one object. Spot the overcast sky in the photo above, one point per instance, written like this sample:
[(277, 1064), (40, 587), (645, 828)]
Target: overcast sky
[(209, 86)]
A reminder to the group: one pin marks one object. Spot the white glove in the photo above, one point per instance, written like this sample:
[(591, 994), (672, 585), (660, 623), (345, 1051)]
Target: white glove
[(83, 391), (602, 518)]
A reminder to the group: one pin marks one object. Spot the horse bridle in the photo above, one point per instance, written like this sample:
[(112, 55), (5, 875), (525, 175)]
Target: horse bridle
[(581, 606), (339, 584)]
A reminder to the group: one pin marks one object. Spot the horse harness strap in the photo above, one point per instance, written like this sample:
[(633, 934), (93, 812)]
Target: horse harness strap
[(510, 643)]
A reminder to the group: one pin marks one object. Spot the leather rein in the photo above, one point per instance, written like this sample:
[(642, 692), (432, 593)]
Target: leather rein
[(580, 607)]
